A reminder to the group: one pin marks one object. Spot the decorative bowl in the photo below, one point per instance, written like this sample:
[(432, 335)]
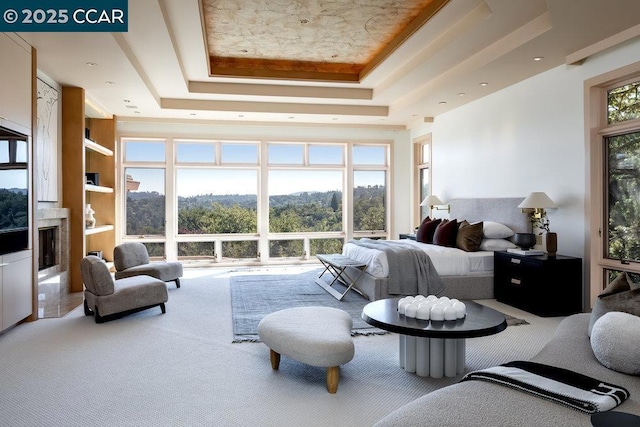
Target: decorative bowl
[(524, 240)]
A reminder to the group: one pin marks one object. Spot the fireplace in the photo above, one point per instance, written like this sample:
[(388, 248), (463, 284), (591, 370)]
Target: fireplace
[(53, 250), (47, 247)]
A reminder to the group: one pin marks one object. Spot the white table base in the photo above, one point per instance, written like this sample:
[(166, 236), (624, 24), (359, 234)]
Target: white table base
[(432, 357)]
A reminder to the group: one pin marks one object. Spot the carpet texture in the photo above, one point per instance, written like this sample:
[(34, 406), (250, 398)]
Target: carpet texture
[(181, 369), (255, 296)]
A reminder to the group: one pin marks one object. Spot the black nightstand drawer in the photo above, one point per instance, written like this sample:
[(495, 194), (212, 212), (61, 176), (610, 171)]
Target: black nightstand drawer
[(546, 286)]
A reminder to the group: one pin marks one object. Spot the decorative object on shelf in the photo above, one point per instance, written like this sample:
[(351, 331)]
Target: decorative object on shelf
[(434, 202), (526, 241), (89, 219), (92, 178)]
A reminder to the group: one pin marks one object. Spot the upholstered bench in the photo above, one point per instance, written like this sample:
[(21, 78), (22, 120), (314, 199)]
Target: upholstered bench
[(317, 336)]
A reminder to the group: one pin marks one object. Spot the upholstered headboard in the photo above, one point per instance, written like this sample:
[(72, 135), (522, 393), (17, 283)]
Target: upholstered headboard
[(503, 210)]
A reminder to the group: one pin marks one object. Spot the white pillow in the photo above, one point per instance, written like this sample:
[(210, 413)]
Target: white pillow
[(496, 245), (616, 343), (495, 230)]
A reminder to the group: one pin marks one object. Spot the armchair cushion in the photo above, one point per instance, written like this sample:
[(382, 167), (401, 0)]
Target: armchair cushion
[(130, 254), (96, 276)]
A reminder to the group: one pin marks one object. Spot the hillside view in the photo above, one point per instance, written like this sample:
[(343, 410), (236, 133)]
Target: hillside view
[(231, 214)]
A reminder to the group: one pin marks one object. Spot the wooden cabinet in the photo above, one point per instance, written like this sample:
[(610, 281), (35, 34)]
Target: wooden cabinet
[(16, 288), (15, 84), (542, 285), (80, 156)]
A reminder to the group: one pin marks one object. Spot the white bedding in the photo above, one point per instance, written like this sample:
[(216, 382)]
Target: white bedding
[(447, 261)]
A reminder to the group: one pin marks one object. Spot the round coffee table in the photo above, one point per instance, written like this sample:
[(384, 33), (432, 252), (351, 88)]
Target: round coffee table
[(429, 347)]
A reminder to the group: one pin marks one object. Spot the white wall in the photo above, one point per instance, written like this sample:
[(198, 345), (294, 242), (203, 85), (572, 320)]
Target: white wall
[(527, 137)]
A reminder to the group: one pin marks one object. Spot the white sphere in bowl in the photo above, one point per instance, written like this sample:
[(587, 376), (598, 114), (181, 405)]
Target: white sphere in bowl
[(410, 310), (461, 309), (437, 312), (449, 313), (424, 311)]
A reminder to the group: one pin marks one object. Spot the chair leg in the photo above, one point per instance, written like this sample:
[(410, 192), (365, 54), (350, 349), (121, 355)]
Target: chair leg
[(333, 375), (275, 359), (163, 308), (87, 310), (99, 318), (177, 282)]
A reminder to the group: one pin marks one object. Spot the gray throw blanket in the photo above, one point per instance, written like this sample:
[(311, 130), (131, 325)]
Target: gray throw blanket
[(411, 271)]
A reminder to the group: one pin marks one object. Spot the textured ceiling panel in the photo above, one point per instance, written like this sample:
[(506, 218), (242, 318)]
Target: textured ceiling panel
[(307, 39)]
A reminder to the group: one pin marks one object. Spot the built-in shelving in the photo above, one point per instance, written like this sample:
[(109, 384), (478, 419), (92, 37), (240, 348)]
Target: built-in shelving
[(98, 188), (88, 146), (98, 229)]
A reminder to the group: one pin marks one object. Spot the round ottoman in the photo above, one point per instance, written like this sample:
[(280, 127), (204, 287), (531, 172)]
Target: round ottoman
[(317, 336)]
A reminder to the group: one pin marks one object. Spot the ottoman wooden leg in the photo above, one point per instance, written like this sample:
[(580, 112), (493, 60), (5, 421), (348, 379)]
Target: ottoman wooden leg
[(275, 359), (333, 375)]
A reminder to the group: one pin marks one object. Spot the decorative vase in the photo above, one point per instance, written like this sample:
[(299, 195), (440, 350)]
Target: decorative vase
[(89, 219), (552, 243)]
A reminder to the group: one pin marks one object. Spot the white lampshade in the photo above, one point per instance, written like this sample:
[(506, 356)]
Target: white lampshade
[(431, 201), (537, 200)]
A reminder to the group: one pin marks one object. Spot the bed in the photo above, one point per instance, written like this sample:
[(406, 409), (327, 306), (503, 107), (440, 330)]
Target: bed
[(466, 275)]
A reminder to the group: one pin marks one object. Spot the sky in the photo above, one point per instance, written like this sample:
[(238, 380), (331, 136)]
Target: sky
[(194, 181)]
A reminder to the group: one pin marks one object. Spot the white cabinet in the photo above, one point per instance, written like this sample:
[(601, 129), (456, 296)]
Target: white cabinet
[(15, 84), (15, 284)]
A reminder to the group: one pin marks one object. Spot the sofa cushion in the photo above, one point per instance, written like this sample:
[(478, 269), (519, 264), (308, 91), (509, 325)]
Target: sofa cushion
[(616, 342), (619, 295)]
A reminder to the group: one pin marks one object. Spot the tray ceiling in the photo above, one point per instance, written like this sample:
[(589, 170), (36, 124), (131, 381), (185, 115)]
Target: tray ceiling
[(309, 40)]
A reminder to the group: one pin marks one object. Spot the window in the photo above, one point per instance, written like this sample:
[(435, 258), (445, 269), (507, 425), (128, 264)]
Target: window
[(422, 176), (211, 201), (370, 167), (614, 238)]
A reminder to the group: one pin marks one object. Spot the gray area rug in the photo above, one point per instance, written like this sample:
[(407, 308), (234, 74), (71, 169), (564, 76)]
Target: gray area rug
[(255, 296)]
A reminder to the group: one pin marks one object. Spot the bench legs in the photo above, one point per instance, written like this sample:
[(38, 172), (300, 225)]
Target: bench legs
[(333, 372)]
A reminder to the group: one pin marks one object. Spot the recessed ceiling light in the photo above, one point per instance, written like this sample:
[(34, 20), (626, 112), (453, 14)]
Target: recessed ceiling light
[(240, 115), (291, 117), (244, 50), (442, 102), (192, 114), (538, 58), (461, 94), (335, 118), (126, 100), (92, 64), (137, 112), (304, 21), (484, 84), (133, 107), (109, 82)]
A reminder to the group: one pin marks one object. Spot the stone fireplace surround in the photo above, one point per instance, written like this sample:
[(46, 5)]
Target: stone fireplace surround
[(56, 217)]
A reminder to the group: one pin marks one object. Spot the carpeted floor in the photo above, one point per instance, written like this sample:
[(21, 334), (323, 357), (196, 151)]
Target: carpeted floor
[(255, 296), (182, 369)]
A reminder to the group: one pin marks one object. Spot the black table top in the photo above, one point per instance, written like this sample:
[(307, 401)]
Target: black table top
[(480, 321)]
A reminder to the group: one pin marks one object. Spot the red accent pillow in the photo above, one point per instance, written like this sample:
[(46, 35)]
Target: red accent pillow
[(426, 230), (446, 233)]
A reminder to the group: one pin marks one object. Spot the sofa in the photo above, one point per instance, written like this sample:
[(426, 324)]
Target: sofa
[(481, 403)]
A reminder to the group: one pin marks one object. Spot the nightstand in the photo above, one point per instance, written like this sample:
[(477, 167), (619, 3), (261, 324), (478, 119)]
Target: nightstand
[(411, 236), (542, 285)]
